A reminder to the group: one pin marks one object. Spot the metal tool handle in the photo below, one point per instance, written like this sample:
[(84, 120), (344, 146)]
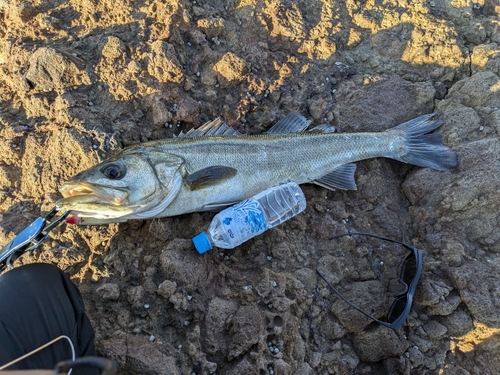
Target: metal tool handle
[(30, 238)]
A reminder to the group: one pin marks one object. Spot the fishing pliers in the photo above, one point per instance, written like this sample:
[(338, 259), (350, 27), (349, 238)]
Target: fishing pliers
[(30, 238)]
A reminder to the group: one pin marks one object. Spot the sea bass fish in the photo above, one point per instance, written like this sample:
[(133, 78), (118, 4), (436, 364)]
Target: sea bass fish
[(215, 166)]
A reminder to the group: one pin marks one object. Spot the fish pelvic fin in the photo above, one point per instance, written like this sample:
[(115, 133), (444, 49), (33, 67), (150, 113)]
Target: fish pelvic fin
[(340, 178), (423, 148)]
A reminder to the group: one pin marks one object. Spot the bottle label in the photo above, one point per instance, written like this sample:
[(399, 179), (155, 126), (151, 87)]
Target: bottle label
[(244, 220)]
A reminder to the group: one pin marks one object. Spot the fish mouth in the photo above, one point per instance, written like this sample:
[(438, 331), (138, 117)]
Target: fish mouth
[(95, 193), (88, 200)]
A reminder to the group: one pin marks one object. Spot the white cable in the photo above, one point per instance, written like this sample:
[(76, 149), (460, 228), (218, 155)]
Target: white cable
[(73, 356)]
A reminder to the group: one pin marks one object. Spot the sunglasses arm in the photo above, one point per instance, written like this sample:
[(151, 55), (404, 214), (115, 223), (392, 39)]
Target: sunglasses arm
[(352, 304)]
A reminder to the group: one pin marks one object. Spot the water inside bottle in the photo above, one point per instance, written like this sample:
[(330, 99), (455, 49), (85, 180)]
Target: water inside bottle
[(281, 205)]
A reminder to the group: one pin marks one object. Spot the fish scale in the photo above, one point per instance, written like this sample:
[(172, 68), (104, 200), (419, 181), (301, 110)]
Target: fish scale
[(266, 160)]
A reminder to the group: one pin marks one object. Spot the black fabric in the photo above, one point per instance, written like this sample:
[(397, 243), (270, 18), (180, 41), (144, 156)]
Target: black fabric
[(38, 303)]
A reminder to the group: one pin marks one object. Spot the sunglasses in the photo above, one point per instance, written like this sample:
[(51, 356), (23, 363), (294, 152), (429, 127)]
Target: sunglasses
[(411, 269)]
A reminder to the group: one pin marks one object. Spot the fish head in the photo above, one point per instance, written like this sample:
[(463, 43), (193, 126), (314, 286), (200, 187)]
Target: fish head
[(138, 182)]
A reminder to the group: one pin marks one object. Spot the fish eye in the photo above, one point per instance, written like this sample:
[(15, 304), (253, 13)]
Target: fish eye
[(113, 171)]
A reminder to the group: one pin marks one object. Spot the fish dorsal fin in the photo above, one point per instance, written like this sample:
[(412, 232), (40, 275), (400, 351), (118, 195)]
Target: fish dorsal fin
[(215, 127), (209, 176), (323, 128), (340, 178), (292, 123)]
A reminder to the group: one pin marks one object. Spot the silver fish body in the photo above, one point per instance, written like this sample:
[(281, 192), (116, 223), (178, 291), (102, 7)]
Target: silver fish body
[(200, 172)]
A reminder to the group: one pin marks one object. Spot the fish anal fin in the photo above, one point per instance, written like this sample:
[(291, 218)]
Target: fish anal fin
[(340, 178), (292, 123), (209, 176)]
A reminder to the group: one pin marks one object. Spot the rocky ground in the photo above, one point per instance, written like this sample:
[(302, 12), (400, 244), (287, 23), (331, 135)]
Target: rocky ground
[(80, 79)]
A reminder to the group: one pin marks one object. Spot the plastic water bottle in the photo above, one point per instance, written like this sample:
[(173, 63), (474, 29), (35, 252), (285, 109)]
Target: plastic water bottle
[(251, 217)]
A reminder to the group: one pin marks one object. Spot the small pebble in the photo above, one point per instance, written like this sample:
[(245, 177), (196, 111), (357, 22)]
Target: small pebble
[(146, 306), (90, 104), (189, 298), (186, 322), (481, 128), (94, 147), (179, 347), (188, 44), (152, 338), (269, 257), (198, 74), (273, 283)]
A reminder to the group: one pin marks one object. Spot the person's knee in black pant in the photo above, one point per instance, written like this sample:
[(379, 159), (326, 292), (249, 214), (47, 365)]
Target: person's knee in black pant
[(39, 303)]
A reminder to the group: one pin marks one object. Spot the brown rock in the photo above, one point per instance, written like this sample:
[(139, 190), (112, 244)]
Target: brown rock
[(163, 64), (372, 346), (113, 48), (51, 69), (230, 69), (245, 327), (109, 292)]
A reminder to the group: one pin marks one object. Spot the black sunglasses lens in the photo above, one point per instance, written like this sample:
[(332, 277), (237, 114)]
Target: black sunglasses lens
[(409, 269), (397, 309)]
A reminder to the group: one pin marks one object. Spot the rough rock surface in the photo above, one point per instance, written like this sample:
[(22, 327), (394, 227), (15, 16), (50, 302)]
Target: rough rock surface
[(81, 79)]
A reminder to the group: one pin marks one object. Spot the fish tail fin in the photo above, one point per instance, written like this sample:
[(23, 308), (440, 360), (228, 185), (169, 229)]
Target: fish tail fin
[(423, 148)]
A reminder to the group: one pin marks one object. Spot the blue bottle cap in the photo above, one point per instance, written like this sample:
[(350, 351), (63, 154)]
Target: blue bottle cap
[(202, 243)]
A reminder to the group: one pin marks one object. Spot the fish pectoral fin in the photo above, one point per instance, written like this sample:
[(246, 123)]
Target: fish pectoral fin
[(292, 123), (209, 176), (340, 178)]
